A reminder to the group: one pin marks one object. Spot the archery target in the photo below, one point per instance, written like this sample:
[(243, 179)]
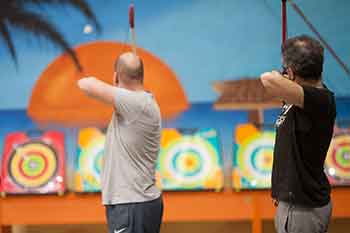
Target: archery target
[(188, 162), (254, 160), (32, 164), (338, 158), (90, 158)]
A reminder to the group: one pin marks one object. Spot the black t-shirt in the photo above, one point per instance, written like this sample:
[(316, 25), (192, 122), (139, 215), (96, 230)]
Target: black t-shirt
[(302, 141)]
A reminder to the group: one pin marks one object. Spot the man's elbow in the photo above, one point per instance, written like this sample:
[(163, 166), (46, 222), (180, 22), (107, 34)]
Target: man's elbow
[(266, 80), (268, 84), (84, 85)]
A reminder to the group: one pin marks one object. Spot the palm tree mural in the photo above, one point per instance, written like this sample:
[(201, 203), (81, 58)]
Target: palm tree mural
[(16, 14)]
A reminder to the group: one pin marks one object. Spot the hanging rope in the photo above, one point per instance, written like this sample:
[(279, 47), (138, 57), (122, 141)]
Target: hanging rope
[(314, 30)]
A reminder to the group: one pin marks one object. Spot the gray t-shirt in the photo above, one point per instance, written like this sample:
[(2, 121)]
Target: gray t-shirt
[(131, 149)]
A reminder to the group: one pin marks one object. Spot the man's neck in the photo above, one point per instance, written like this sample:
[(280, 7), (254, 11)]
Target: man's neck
[(311, 83), (132, 87)]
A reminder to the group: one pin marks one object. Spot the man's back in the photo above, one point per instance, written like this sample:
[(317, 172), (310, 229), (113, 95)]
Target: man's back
[(132, 201), (302, 141), (132, 147)]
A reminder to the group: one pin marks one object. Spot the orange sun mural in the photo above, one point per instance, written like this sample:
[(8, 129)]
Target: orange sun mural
[(57, 99)]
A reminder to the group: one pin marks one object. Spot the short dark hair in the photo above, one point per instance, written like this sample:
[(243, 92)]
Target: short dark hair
[(305, 56)]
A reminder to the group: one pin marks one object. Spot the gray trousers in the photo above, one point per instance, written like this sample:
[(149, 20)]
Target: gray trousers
[(297, 219)]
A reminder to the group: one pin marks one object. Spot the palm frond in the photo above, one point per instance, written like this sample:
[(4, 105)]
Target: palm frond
[(36, 24), (6, 36), (80, 5)]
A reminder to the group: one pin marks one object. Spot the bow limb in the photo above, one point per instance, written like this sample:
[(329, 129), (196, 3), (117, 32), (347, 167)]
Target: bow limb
[(132, 27)]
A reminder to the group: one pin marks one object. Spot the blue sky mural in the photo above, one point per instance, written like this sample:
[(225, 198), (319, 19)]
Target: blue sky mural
[(202, 40)]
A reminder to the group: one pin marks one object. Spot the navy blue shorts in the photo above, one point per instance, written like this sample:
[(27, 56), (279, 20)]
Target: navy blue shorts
[(143, 217)]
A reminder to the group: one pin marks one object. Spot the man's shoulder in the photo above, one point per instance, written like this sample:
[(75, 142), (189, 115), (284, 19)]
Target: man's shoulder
[(318, 100)]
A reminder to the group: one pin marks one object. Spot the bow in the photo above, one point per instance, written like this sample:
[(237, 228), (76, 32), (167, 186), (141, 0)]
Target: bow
[(284, 21), (132, 27)]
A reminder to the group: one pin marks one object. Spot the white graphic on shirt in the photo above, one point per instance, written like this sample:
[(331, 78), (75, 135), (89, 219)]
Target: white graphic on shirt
[(120, 230), (282, 117)]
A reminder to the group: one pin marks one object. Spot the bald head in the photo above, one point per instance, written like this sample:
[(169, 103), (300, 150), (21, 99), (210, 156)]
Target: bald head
[(129, 67)]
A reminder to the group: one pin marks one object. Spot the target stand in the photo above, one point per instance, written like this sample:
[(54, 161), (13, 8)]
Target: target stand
[(253, 157), (337, 164), (89, 160), (190, 159), (33, 165)]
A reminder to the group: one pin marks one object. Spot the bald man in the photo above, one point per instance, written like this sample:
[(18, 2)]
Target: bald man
[(133, 202)]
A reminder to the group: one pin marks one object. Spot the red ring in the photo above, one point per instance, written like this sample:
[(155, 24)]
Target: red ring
[(44, 170), (334, 155)]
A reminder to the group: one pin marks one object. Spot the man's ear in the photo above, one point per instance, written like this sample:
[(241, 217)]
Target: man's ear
[(290, 74), (115, 78)]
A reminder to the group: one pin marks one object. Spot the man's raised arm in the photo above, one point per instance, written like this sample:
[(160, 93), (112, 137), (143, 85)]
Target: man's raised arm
[(282, 88), (97, 89)]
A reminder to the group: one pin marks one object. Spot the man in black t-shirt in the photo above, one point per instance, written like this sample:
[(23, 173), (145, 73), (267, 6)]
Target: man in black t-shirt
[(300, 187)]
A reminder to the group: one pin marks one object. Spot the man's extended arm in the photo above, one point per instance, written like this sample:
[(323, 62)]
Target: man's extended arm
[(97, 89), (282, 88)]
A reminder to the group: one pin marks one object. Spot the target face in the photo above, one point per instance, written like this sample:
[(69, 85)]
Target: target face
[(32, 165), (90, 158), (189, 162), (338, 158), (254, 158)]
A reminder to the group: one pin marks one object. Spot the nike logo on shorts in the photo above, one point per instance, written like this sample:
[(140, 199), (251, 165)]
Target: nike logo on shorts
[(120, 230)]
